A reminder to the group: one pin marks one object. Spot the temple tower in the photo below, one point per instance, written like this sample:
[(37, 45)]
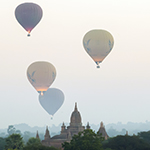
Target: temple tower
[(75, 122), (88, 126), (37, 135), (47, 135), (103, 131)]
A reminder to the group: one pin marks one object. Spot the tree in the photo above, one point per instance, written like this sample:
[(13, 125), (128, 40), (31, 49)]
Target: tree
[(3, 134), (11, 129), (14, 141), (85, 140), (33, 141), (26, 136), (18, 132), (12, 149), (145, 136), (35, 144), (126, 143), (38, 147), (2, 143)]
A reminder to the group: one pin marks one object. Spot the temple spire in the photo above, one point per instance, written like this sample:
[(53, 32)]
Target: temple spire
[(88, 126), (75, 109), (103, 131), (63, 127), (75, 116), (47, 135), (37, 135)]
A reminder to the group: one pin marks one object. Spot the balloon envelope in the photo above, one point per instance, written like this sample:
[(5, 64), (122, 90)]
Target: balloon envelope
[(28, 15), (98, 44), (52, 100), (41, 75)]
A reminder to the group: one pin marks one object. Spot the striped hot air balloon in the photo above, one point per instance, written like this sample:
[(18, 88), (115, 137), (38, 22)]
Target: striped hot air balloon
[(28, 15)]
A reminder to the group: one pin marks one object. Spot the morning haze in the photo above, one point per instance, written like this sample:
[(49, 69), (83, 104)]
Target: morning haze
[(117, 92)]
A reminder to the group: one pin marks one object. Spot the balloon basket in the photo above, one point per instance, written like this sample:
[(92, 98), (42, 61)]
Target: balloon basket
[(98, 67), (28, 35)]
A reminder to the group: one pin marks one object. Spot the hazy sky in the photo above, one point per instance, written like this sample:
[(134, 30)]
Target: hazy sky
[(117, 92)]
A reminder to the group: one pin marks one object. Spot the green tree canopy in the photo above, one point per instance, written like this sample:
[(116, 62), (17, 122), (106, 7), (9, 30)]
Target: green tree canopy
[(35, 144), (38, 147), (14, 141), (85, 140), (33, 141), (126, 143), (2, 143), (26, 136), (145, 136)]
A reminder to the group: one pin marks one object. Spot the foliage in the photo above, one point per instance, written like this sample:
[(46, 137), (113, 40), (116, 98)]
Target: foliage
[(27, 135), (33, 141), (18, 132), (35, 144), (38, 147), (126, 143), (85, 140), (3, 134), (145, 136), (11, 129), (2, 143), (14, 141)]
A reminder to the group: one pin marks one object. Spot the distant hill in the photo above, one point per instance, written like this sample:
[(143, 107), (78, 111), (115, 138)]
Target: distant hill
[(112, 129), (25, 127)]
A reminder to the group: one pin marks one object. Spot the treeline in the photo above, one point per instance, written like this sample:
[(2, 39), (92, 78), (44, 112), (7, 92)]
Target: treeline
[(15, 142), (26, 134), (89, 140), (85, 140), (120, 142)]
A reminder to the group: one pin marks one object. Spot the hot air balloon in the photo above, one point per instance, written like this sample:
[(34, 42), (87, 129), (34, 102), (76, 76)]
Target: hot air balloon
[(52, 100), (28, 15), (98, 44), (41, 75)]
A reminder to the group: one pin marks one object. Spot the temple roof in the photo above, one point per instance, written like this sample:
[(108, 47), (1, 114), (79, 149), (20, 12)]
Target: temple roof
[(61, 136), (75, 117), (103, 131)]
